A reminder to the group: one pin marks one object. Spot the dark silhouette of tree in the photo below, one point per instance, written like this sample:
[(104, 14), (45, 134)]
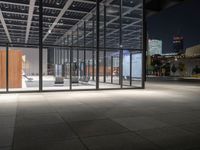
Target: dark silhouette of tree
[(173, 69)]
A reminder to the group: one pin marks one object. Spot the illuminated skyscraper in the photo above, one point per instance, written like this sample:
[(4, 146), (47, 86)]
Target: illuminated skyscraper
[(155, 47), (178, 44)]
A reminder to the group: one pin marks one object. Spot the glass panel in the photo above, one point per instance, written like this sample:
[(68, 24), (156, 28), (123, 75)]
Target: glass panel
[(127, 68), (132, 24), (19, 22), (82, 72), (111, 78), (132, 42), (73, 24), (110, 24), (56, 68), (19, 27), (136, 69), (23, 68), (2, 69)]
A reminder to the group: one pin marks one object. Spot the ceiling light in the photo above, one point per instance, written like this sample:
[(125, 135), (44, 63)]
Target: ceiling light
[(111, 10)]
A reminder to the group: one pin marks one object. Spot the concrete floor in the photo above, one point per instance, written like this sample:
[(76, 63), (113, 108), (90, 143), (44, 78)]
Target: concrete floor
[(161, 117)]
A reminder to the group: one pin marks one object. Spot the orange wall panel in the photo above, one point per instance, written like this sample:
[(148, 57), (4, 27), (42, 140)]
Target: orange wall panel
[(14, 69)]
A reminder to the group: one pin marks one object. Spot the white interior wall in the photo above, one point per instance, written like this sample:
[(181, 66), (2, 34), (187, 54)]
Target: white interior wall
[(31, 66)]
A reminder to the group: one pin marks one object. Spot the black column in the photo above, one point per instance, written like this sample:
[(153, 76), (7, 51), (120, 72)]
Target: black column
[(121, 47), (7, 72), (68, 49), (77, 55), (144, 47), (40, 45), (111, 69), (104, 62), (84, 51), (93, 45), (130, 68), (64, 53), (71, 60), (97, 44)]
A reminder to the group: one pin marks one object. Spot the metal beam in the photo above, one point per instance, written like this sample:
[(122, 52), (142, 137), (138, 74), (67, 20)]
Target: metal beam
[(62, 12), (117, 17), (5, 26), (86, 18), (30, 16)]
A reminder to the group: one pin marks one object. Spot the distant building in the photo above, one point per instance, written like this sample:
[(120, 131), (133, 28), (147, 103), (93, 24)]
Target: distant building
[(155, 47), (193, 51), (178, 43)]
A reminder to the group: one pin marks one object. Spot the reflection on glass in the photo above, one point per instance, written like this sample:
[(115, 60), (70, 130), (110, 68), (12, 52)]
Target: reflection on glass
[(23, 68), (69, 41)]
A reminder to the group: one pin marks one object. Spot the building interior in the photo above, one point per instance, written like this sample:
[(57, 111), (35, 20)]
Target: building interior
[(80, 49)]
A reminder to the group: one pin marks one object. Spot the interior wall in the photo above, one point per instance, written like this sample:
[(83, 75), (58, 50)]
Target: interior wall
[(32, 60)]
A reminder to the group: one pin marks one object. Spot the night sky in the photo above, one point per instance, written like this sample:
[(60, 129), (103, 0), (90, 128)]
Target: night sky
[(183, 20)]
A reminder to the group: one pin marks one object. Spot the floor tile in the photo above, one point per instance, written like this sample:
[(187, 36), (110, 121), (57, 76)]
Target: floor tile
[(178, 118), (37, 119), (43, 132), (121, 112), (97, 127), (26, 108), (52, 145), (140, 123), (125, 141), (85, 115), (171, 138), (8, 109), (5, 148), (194, 128), (7, 121), (6, 136)]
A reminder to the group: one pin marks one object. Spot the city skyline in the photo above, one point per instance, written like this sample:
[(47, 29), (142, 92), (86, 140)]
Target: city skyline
[(179, 20)]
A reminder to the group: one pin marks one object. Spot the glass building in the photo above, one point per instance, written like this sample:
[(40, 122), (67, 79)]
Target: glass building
[(155, 47), (51, 45)]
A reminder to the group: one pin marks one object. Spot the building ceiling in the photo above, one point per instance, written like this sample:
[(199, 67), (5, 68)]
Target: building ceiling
[(64, 21)]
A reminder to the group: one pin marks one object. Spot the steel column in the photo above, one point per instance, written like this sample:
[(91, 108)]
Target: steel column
[(105, 43), (97, 42), (111, 69), (144, 47), (77, 55), (121, 46), (93, 45), (7, 67), (130, 68), (40, 45), (84, 51)]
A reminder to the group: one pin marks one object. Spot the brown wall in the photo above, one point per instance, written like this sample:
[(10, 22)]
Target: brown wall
[(14, 69)]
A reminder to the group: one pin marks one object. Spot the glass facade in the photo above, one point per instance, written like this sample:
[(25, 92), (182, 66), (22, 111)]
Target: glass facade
[(71, 45)]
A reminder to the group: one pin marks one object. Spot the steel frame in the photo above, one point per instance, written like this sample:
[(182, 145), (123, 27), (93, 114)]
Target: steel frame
[(95, 46)]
